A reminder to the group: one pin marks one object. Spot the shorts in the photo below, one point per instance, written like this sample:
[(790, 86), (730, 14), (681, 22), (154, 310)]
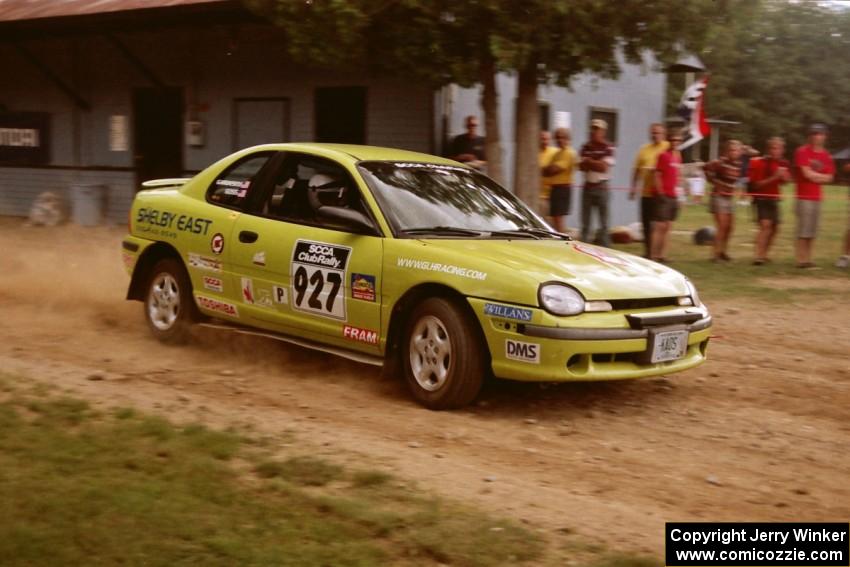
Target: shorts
[(560, 200), (808, 218), (665, 208), (767, 209), (721, 204)]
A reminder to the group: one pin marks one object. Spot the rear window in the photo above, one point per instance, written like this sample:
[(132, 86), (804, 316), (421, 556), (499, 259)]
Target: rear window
[(233, 187)]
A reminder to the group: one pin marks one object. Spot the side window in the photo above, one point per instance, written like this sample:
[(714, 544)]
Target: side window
[(232, 188), (306, 183)]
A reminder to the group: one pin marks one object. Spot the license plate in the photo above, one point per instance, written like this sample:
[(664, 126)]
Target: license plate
[(669, 345)]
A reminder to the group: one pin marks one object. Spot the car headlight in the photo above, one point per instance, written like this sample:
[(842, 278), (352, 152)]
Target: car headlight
[(694, 295), (560, 299)]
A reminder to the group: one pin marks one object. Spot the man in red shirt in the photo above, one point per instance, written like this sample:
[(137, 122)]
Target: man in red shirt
[(813, 166), (767, 174), (666, 206)]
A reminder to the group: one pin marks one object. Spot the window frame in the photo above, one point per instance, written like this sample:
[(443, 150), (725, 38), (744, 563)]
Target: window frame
[(259, 180), (283, 161)]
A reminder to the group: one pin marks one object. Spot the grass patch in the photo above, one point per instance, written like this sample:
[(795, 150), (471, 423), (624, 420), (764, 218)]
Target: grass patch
[(740, 278), (81, 487)]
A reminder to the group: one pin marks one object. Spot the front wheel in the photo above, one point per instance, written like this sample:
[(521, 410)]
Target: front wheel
[(445, 358), (168, 302)]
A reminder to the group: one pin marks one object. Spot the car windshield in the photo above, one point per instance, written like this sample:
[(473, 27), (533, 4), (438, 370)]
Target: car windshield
[(425, 198)]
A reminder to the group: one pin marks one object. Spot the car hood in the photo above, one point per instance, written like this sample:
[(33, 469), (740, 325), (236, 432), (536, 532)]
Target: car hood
[(597, 272)]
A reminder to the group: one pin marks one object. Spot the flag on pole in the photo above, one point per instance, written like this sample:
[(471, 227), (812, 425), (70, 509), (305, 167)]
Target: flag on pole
[(692, 110)]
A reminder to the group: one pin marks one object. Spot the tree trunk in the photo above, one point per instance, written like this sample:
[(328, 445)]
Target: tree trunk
[(526, 169), (490, 107)]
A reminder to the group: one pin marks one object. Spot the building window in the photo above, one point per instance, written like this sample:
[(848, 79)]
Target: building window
[(545, 124), (609, 115)]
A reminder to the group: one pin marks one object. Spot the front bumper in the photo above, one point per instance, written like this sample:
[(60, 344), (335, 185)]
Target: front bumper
[(597, 346)]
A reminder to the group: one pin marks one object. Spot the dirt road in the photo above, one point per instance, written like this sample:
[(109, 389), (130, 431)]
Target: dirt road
[(761, 432)]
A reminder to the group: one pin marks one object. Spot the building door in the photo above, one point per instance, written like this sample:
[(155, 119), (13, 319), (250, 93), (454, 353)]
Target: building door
[(157, 132), (341, 115)]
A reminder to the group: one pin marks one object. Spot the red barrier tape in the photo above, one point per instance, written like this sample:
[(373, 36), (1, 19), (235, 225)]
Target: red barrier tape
[(740, 195)]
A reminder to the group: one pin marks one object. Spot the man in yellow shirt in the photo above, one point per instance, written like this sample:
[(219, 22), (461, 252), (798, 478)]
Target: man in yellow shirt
[(557, 169), (544, 157), (644, 170)]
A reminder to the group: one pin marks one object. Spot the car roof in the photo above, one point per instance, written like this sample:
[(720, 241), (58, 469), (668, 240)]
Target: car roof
[(355, 153)]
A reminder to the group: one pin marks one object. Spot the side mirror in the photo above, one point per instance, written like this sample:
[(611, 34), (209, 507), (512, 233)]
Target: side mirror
[(347, 217)]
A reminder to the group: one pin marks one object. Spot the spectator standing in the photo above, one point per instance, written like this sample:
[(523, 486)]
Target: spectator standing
[(597, 159), (558, 173), (844, 260), (666, 207), (468, 148), (644, 170), (813, 166), (724, 175), (544, 158), (766, 176)]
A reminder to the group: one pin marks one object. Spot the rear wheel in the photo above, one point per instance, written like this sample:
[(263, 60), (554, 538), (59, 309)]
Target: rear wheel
[(444, 358), (168, 306)]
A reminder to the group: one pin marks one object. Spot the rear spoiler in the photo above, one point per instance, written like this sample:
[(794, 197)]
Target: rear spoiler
[(171, 182)]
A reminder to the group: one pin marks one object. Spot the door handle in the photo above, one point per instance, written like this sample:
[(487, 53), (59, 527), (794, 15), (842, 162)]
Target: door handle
[(248, 236)]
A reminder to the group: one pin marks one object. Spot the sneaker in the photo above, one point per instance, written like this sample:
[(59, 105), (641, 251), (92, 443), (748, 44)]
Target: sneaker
[(807, 266), (759, 262), (843, 262), (725, 257)]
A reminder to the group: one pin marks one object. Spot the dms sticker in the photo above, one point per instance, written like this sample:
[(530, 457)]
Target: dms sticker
[(213, 284), (317, 273), (525, 352), (507, 312), (219, 306), (217, 243), (363, 287), (360, 335)]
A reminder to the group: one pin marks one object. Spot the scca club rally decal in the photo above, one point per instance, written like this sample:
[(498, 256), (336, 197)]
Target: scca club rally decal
[(168, 221), (360, 335), (526, 352), (219, 306), (317, 273)]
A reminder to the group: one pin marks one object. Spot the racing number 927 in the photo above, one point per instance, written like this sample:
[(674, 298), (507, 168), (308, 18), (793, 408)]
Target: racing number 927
[(317, 272)]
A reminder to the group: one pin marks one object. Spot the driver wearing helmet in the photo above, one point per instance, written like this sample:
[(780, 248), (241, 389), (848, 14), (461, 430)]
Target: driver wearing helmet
[(326, 190)]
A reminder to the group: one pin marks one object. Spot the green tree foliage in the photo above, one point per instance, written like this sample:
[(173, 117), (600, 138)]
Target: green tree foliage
[(776, 67)]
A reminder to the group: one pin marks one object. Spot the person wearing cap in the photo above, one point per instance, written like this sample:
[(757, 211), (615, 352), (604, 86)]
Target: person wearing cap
[(468, 148), (597, 159), (766, 175), (557, 171), (813, 166), (644, 170)]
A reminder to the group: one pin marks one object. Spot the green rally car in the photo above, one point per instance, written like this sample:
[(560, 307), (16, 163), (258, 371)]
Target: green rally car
[(403, 259)]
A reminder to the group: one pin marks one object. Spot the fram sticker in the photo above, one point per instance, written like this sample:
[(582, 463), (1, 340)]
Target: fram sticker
[(363, 287), (507, 312), (279, 294), (213, 283), (219, 306), (204, 262), (217, 243), (525, 352), (247, 290), (360, 335)]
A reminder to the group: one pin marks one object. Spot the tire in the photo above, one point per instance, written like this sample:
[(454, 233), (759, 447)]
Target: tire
[(168, 306), (443, 355)]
